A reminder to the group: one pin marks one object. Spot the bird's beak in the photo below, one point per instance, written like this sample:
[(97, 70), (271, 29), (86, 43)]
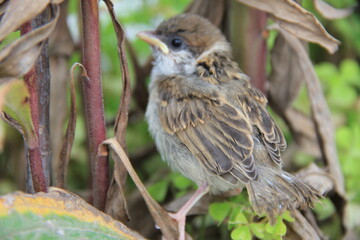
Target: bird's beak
[(151, 38)]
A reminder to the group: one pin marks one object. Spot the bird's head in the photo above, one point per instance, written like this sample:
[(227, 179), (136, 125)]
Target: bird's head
[(179, 42)]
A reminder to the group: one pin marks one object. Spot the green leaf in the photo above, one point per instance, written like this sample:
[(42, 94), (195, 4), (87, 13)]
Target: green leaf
[(350, 71), (241, 233), (57, 214), (158, 190), (270, 228), (343, 135), (258, 229), (286, 216), (15, 104), (342, 96), (279, 228), (277, 238), (219, 211), (239, 218), (324, 209), (234, 211), (180, 182)]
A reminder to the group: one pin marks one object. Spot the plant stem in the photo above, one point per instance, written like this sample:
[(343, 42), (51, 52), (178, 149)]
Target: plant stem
[(34, 156), (43, 86), (93, 100)]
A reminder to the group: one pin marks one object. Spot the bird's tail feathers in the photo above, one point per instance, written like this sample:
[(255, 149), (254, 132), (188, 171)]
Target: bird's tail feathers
[(276, 192)]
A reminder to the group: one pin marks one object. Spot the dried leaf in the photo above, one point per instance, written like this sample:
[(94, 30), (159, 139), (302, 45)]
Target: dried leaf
[(15, 110), (286, 77), (18, 12), (303, 228), (166, 224), (330, 12), (320, 112), (303, 129), (17, 58), (316, 177), (122, 117), (296, 20), (61, 47), (116, 202), (3, 6), (214, 10), (57, 214), (67, 144)]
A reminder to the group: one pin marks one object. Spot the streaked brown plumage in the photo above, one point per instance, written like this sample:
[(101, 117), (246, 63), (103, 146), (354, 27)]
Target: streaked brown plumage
[(210, 124)]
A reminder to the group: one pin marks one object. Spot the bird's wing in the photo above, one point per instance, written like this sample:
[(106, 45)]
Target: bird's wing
[(216, 132), (220, 69), (253, 102)]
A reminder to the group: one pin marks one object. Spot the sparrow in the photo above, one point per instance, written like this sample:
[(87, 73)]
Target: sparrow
[(211, 125)]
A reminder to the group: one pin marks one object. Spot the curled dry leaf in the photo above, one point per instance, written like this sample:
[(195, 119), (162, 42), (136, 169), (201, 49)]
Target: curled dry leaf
[(19, 12), (302, 228), (122, 117), (320, 112), (330, 12), (214, 10), (166, 224), (57, 214), (61, 47), (317, 177), (3, 6), (116, 205), (116, 202), (296, 20), (15, 110), (303, 129), (17, 58), (286, 77), (70, 131)]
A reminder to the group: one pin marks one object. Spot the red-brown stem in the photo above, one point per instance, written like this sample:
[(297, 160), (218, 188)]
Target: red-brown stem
[(34, 156), (93, 100), (249, 44), (43, 86)]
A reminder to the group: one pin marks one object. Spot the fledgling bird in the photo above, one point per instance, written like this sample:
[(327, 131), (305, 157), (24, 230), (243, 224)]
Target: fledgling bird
[(210, 124)]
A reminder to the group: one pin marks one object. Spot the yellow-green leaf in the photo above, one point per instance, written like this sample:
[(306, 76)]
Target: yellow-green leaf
[(57, 214), (286, 216), (239, 218), (258, 229), (241, 233), (279, 228), (15, 109)]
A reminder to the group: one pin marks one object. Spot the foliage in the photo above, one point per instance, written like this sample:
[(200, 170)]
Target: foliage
[(56, 215), (244, 223)]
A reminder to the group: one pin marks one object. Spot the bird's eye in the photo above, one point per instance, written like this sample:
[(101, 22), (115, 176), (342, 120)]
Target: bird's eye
[(176, 42)]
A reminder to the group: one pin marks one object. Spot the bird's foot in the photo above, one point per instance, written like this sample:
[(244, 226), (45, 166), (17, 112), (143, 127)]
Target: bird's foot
[(180, 216)]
